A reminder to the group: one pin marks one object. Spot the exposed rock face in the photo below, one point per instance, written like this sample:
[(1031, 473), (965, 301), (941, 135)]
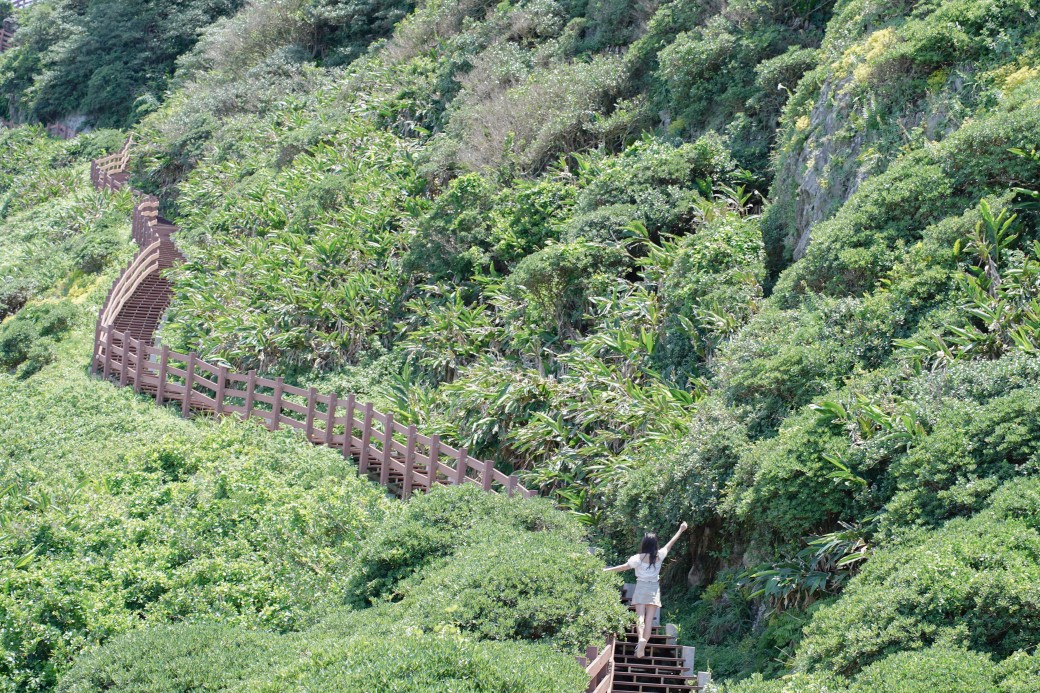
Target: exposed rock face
[(840, 150), (826, 170)]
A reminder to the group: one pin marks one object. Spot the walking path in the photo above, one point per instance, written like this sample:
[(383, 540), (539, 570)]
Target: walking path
[(398, 457)]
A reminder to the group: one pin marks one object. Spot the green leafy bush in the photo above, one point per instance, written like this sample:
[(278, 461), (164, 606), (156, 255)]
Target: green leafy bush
[(27, 341), (974, 575), (347, 651)]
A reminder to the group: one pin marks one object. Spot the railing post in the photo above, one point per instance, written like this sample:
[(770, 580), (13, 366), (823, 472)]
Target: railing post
[(124, 369), (312, 396), (221, 389), (108, 352), (388, 451), (331, 421), (276, 408), (489, 474), (189, 385), (366, 440), (460, 467), (409, 464), (164, 364), (137, 366), (435, 461), (348, 427), (511, 483), (250, 395)]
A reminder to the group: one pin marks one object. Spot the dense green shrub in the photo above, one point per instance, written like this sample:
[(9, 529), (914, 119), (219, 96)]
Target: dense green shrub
[(971, 449), (347, 651), (135, 516), (27, 341), (684, 483), (557, 283), (454, 238), (976, 576), (953, 669), (433, 526), (172, 659), (497, 568), (98, 59), (658, 182)]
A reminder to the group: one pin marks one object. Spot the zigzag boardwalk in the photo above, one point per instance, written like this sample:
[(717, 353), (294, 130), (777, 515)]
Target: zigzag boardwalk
[(398, 457)]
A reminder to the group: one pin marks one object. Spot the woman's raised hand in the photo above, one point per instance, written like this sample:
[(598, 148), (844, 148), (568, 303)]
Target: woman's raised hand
[(682, 527)]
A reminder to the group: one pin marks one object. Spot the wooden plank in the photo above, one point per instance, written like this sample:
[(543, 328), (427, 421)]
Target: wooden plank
[(250, 394), (164, 363), (511, 483), (366, 440), (295, 391), (276, 405), (189, 384), (409, 464), (388, 450), (330, 421), (222, 373)]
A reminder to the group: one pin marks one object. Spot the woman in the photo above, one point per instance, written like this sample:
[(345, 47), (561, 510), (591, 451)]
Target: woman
[(647, 598)]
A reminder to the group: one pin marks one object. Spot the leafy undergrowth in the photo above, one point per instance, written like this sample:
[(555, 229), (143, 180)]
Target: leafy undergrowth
[(119, 516)]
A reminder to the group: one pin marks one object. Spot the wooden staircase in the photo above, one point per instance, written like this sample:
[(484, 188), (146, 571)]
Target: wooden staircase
[(398, 457), (665, 667)]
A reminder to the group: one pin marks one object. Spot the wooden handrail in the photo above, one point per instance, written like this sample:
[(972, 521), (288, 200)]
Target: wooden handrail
[(599, 665), (403, 463), (396, 454)]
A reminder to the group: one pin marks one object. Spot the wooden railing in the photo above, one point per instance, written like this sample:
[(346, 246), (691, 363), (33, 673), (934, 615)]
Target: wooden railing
[(599, 665), (404, 460)]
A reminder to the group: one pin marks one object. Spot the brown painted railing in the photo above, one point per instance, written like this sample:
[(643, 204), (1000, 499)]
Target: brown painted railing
[(402, 459), (599, 665)]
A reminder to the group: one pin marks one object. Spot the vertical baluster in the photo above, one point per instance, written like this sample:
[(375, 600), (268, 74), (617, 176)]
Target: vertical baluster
[(189, 384), (330, 417), (276, 408), (409, 463), (221, 389), (388, 451), (489, 474), (366, 440), (124, 370), (312, 396), (348, 427), (138, 348), (460, 467), (164, 364), (250, 395), (108, 353), (511, 484), (435, 461)]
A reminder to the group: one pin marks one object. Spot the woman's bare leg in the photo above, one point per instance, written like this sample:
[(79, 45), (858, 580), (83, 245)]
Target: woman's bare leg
[(640, 620), (651, 613)]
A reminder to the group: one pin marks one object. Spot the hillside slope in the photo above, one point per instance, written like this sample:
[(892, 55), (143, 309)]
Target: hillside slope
[(770, 267)]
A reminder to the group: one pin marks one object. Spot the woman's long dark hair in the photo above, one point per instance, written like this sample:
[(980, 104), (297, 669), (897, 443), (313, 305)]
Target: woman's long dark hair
[(649, 547)]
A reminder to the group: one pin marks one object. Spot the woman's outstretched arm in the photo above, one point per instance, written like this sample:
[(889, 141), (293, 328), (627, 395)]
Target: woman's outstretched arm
[(618, 568), (671, 542)]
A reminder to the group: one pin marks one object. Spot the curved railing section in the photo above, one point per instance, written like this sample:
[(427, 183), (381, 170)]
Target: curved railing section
[(125, 350)]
